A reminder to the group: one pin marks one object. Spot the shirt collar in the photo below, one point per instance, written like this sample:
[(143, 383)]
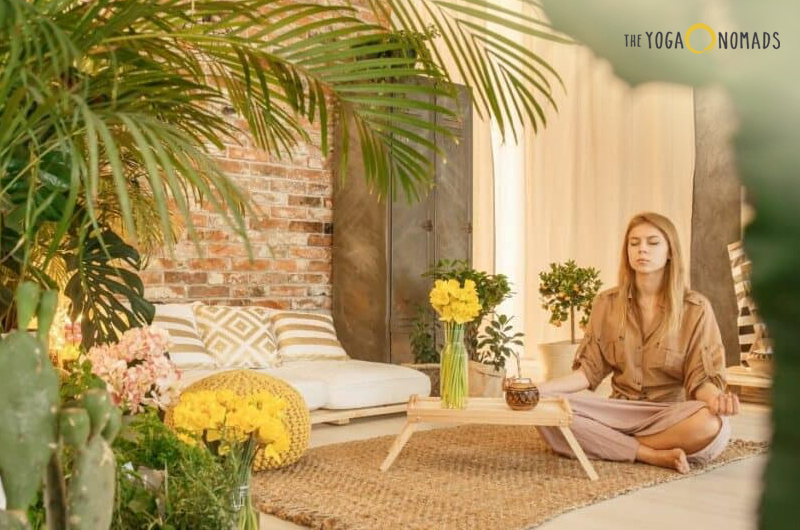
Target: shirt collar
[(661, 303)]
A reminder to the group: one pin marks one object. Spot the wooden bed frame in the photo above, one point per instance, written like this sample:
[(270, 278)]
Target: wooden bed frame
[(343, 417)]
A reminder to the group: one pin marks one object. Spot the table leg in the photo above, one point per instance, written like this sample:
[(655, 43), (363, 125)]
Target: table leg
[(398, 444), (578, 450)]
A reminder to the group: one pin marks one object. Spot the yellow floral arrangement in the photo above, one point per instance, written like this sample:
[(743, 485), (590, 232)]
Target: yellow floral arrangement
[(233, 426), (456, 305)]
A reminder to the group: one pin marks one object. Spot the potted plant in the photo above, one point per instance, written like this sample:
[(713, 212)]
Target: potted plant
[(492, 290), (520, 392), (494, 349), (423, 346), (566, 290)]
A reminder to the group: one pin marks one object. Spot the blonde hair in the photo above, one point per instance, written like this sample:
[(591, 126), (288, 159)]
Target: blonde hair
[(673, 287)]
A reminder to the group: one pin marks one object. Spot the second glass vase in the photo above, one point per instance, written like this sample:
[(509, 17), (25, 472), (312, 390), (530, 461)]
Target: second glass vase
[(453, 382)]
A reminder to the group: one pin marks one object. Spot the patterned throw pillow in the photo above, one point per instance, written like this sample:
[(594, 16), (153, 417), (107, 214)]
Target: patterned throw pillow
[(306, 336), (187, 350), (238, 337)]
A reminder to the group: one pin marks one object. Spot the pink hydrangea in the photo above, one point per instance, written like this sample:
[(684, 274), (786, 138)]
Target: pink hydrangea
[(137, 370)]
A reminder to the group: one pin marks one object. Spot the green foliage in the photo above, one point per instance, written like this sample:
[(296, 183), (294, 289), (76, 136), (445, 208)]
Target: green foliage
[(423, 336), (28, 404), (77, 379), (196, 488), (102, 264), (68, 446), (567, 288), (492, 290), (109, 112), (92, 265), (494, 343)]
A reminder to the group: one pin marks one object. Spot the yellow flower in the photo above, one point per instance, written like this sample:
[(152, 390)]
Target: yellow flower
[(212, 435), (70, 353), (455, 303)]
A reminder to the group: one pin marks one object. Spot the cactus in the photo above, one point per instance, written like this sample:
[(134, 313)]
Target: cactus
[(86, 500), (90, 490), (33, 432), (28, 407)]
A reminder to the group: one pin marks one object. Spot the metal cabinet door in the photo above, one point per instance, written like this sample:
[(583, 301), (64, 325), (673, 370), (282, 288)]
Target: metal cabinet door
[(438, 226)]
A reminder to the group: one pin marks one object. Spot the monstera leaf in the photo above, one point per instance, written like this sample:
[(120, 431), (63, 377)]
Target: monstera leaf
[(104, 280)]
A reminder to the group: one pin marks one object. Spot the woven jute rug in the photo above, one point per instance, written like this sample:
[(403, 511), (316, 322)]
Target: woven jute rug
[(469, 477)]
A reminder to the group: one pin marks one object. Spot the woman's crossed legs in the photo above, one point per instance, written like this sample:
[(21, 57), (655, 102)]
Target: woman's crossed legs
[(666, 435), (669, 447)]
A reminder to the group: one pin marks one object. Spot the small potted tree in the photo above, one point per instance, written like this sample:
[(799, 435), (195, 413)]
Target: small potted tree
[(566, 290)]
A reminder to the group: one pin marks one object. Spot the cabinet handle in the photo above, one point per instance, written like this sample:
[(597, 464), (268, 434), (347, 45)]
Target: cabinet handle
[(469, 228), (428, 226)]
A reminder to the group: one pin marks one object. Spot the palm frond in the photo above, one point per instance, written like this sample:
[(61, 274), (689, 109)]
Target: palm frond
[(482, 39)]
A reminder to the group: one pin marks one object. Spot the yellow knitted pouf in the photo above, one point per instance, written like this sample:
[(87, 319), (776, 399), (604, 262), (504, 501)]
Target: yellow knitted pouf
[(295, 417)]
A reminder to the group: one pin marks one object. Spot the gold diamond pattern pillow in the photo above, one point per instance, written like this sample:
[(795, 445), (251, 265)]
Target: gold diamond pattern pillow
[(238, 337), (306, 336)]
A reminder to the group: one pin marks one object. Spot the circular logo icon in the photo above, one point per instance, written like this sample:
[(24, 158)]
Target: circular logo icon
[(710, 31)]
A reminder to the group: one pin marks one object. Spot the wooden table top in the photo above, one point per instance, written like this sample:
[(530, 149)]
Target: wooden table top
[(552, 411)]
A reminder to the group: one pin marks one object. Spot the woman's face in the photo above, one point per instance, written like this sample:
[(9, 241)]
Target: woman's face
[(648, 249)]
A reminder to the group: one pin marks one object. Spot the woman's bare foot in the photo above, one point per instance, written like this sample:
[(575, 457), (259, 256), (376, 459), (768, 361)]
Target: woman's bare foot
[(669, 458)]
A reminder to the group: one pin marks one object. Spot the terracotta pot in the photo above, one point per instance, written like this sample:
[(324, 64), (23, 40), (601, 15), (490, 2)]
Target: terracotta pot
[(557, 358), (485, 381), (521, 394)]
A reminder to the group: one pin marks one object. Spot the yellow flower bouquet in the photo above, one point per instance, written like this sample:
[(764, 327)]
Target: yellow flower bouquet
[(456, 305), (232, 427)]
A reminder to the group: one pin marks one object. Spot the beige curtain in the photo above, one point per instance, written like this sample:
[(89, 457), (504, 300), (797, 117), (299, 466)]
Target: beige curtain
[(567, 192), (611, 151)]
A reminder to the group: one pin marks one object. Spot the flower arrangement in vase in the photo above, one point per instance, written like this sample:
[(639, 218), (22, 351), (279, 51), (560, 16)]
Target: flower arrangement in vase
[(233, 427), (137, 369), (456, 305)]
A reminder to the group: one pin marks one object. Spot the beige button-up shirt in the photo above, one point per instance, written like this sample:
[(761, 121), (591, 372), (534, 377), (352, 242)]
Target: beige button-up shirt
[(649, 368)]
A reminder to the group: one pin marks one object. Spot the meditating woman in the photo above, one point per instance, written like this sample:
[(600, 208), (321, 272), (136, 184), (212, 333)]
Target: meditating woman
[(661, 341)]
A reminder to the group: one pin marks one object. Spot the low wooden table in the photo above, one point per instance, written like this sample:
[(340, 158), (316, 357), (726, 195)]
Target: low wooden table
[(552, 412)]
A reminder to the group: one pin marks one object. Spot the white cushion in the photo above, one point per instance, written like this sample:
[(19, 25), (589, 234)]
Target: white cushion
[(305, 336), (186, 350), (314, 391), (355, 384)]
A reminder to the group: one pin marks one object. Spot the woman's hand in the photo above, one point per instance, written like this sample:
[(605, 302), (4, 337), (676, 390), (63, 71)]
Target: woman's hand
[(724, 404), (719, 402)]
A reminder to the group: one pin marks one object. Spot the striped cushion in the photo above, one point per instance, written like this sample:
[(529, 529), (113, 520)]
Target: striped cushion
[(187, 350), (753, 336), (238, 337), (306, 336)]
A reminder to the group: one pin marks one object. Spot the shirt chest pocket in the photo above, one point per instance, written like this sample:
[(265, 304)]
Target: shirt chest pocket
[(614, 352), (670, 358)]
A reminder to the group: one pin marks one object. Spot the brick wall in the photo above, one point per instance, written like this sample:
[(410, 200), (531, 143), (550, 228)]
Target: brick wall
[(290, 238)]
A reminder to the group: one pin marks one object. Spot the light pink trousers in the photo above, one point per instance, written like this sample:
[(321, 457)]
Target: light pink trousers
[(605, 427)]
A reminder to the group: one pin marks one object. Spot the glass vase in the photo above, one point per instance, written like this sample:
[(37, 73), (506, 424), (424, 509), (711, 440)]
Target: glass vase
[(245, 516), (242, 504), (453, 383)]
